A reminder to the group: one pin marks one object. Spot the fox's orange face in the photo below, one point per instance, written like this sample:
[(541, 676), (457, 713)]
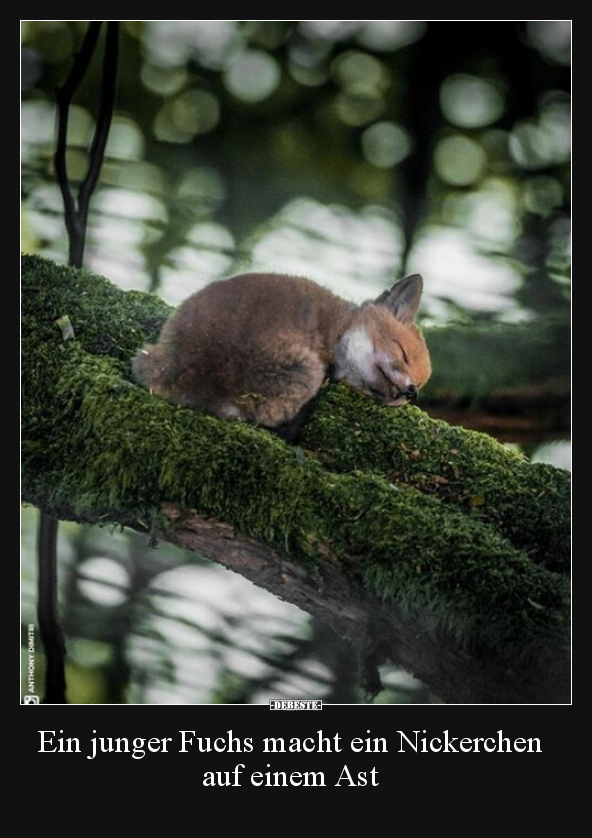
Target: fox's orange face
[(383, 353)]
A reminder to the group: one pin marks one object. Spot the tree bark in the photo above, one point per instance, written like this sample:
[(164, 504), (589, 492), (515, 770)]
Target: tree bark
[(423, 544)]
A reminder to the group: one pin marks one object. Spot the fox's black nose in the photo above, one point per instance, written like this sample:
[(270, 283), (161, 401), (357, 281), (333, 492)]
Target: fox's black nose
[(410, 393)]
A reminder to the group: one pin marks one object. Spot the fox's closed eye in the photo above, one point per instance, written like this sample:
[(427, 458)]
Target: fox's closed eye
[(385, 376), (403, 353)]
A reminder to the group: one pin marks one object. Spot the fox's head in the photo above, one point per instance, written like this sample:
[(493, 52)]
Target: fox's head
[(382, 352)]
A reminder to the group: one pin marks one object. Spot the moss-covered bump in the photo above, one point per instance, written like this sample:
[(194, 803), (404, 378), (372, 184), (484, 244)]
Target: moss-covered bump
[(529, 503)]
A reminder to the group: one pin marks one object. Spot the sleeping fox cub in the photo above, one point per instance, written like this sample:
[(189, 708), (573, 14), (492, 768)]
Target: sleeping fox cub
[(258, 347)]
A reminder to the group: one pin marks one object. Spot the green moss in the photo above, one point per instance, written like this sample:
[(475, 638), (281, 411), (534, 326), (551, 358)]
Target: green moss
[(411, 509), (105, 320), (529, 503)]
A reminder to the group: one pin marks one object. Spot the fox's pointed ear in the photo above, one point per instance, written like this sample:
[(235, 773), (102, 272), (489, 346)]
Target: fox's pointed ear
[(403, 298)]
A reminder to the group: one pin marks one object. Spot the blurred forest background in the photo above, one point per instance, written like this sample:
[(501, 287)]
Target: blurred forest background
[(349, 151)]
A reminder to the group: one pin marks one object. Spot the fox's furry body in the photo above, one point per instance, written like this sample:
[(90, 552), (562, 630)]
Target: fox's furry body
[(258, 347)]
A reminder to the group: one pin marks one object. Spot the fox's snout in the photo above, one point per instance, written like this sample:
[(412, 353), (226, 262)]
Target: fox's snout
[(410, 393), (394, 397)]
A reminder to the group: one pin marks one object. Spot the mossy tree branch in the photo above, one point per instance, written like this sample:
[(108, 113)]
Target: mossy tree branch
[(424, 544)]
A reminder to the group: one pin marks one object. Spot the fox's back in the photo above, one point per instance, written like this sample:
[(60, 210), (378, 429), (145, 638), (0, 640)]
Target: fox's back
[(254, 347), (257, 347), (250, 311)]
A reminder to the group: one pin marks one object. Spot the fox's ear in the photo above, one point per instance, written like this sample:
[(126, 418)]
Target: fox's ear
[(403, 298)]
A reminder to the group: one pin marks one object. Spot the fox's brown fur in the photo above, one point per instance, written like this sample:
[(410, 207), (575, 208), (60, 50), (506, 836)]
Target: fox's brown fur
[(258, 347)]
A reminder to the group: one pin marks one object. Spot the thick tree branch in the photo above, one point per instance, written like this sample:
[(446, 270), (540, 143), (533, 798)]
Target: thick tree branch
[(420, 542), (453, 673)]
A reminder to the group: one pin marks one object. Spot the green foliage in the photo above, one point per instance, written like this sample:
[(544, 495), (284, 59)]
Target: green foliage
[(223, 127), (477, 359)]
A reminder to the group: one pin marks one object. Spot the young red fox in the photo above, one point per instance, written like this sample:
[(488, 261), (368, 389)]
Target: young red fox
[(258, 347)]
